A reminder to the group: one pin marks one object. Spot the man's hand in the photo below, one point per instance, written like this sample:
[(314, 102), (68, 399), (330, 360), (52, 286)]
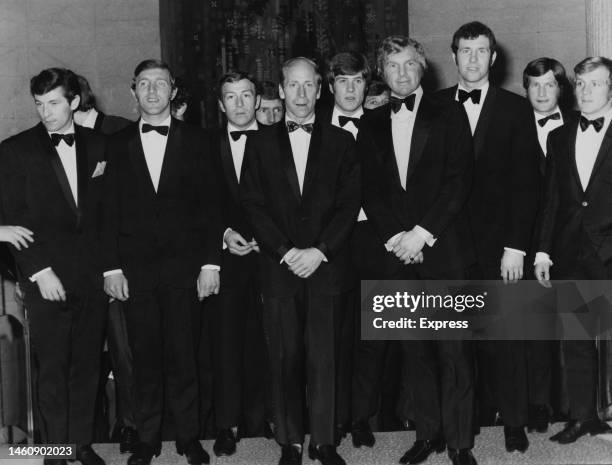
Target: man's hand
[(209, 282), (16, 235), (51, 287), (254, 245), (237, 244), (116, 286), (542, 274), (417, 259), (408, 246), (511, 266), (305, 261)]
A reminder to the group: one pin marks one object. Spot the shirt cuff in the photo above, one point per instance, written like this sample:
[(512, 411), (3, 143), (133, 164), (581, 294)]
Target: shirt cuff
[(542, 257), (223, 240), (389, 244), (510, 249), (211, 267), (425, 235), (35, 276), (111, 272)]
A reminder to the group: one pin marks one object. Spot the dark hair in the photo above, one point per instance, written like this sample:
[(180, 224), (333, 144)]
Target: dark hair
[(88, 99), (376, 88), (472, 31), (348, 63), (541, 66), (151, 64), (52, 78), (591, 63), (395, 44), (183, 96), (292, 61), (269, 91), (235, 76)]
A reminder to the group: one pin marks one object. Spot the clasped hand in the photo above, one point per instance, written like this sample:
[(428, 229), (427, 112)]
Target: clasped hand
[(304, 262), (408, 248), (238, 245)]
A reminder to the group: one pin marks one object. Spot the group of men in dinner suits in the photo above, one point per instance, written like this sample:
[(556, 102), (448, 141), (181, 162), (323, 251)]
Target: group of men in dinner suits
[(274, 226)]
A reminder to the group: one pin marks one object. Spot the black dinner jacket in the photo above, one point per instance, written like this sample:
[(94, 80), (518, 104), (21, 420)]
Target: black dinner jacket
[(573, 220), (163, 237), (35, 193), (109, 124), (437, 182), (322, 217), (541, 156), (503, 203)]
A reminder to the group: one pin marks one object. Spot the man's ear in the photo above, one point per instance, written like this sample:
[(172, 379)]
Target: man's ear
[(454, 58), (257, 102), (281, 92), (76, 100), (173, 94), (493, 58), (319, 92), (331, 89), (221, 107)]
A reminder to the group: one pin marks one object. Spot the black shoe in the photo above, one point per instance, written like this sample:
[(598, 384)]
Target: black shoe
[(361, 434), (193, 452), (421, 449), (291, 455), (539, 418), (225, 444), (461, 457), (143, 454), (87, 456), (515, 438), (339, 434), (128, 439), (326, 454), (55, 462), (576, 429)]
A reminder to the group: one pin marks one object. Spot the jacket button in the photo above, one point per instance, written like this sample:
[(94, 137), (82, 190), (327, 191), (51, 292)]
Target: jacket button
[(585, 203)]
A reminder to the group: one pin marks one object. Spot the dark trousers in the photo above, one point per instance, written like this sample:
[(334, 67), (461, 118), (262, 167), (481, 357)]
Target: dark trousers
[(163, 332), (302, 332), (67, 342), (345, 356), (240, 365)]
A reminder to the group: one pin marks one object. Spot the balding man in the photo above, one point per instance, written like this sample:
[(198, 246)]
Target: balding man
[(301, 187)]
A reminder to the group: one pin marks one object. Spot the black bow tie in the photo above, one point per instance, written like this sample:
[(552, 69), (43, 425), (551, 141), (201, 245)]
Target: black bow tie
[(597, 123), (473, 95), (543, 121), (343, 120), (238, 134), (396, 103), (163, 130), (292, 126), (56, 138)]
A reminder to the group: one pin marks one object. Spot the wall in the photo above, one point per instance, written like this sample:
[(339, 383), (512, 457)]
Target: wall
[(101, 39), (525, 29)]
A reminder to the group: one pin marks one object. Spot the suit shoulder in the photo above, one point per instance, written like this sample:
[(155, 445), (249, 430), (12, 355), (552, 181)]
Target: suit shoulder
[(511, 98), (446, 94), (23, 137), (335, 131), (374, 115)]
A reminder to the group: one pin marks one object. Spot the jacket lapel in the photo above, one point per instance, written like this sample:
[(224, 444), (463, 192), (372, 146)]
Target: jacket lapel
[(82, 167), (484, 120), (286, 155), (420, 134), (227, 161), (56, 165), (137, 158), (313, 160), (384, 141), (99, 120), (602, 155), (172, 155), (571, 145)]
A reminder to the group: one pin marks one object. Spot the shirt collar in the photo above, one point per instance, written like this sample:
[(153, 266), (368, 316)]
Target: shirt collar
[(538, 116), (309, 120), (70, 130), (483, 91), (607, 116), (338, 112), (252, 127), (417, 100), (90, 119), (165, 122)]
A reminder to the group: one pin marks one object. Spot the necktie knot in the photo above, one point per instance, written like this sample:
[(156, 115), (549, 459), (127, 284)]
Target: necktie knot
[(293, 126), (596, 123), (464, 95), (343, 120), (542, 121), (238, 134), (56, 138), (396, 103), (163, 130)]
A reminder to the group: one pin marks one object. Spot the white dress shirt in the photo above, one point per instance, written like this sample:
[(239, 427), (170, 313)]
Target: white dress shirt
[(350, 127), (154, 147), (543, 131), (90, 119), (300, 143), (237, 147), (473, 109)]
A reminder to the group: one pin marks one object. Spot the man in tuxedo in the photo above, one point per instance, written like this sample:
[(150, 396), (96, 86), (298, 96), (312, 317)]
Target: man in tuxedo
[(51, 183), (502, 208), (416, 154), (575, 240), (162, 237), (238, 348), (301, 191), (270, 109)]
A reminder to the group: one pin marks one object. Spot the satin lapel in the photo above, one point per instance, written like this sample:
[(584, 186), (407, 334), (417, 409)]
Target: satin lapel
[(227, 161), (137, 158), (99, 120), (82, 166), (420, 134), (286, 156), (172, 155), (484, 120), (604, 152), (571, 144), (541, 155), (384, 141), (314, 158), (57, 166)]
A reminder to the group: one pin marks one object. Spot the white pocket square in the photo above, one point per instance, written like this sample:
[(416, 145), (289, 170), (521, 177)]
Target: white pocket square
[(99, 171)]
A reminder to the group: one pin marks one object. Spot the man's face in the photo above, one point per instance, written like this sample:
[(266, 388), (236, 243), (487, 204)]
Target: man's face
[(54, 110), (300, 90), (402, 72), (543, 92), (269, 111), (349, 91), (474, 59), (375, 101), (238, 102), (593, 93), (153, 92)]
